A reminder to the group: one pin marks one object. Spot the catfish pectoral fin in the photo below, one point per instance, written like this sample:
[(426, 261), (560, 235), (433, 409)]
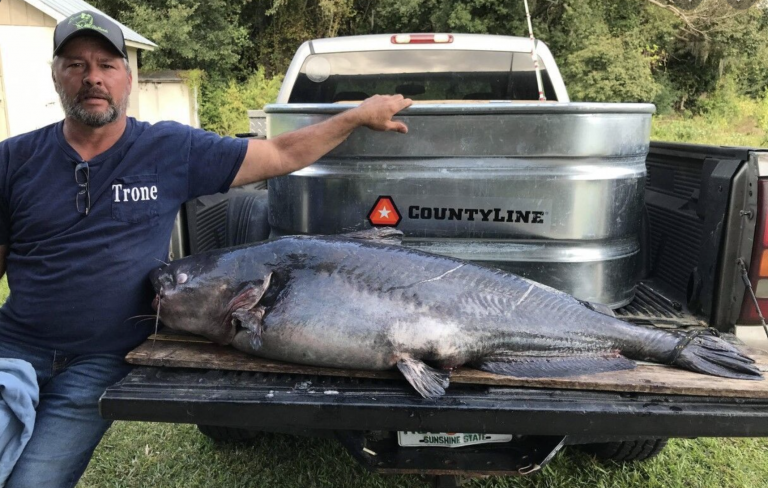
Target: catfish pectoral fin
[(554, 366), (712, 355), (251, 320), (429, 382), (250, 295), (247, 313)]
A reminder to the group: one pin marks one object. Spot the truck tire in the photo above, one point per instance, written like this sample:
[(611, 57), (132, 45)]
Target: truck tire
[(227, 434), (626, 451), (447, 481)]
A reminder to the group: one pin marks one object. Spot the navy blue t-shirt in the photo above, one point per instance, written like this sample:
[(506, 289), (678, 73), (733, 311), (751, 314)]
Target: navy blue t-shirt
[(79, 281)]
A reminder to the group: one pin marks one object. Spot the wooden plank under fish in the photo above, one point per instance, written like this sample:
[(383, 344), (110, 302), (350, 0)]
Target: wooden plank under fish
[(174, 350)]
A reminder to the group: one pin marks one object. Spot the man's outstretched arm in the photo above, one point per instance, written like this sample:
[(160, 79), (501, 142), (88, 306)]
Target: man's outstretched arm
[(297, 149)]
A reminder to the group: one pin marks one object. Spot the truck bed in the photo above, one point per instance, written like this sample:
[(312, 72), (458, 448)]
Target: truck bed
[(693, 194)]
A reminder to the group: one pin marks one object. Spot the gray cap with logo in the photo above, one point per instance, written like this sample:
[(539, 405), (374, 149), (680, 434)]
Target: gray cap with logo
[(88, 23)]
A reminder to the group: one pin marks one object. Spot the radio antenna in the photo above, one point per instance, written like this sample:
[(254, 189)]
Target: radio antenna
[(535, 58)]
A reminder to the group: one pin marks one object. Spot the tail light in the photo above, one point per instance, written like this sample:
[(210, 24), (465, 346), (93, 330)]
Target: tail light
[(758, 270), (422, 39)]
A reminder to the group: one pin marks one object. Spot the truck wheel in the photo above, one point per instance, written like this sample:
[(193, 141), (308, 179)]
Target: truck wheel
[(227, 434), (447, 481), (626, 451)]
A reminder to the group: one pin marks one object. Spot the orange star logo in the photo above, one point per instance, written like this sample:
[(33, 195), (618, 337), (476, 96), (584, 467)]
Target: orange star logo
[(384, 213)]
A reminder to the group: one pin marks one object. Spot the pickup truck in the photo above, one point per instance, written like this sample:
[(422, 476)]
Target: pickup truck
[(572, 195)]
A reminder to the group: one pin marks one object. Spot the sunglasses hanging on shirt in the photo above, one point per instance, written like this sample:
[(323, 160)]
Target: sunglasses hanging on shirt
[(83, 197)]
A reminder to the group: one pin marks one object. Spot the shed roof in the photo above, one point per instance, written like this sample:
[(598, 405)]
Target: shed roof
[(61, 9)]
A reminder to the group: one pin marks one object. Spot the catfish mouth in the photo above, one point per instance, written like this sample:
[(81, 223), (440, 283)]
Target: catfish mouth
[(159, 279), (154, 278)]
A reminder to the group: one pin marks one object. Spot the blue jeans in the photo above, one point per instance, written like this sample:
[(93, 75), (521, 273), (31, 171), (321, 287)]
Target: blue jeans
[(68, 426)]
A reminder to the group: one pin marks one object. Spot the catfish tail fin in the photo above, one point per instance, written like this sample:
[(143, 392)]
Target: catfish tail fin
[(704, 352)]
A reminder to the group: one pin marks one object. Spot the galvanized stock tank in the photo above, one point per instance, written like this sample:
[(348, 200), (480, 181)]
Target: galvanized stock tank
[(550, 191)]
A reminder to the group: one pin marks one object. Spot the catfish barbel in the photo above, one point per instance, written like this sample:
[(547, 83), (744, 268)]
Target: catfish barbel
[(361, 301)]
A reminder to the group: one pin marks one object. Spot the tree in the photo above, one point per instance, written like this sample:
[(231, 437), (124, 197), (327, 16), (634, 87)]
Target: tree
[(191, 34)]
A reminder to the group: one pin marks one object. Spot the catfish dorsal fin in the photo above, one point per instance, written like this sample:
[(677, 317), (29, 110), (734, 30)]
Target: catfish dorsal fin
[(599, 308), (384, 235)]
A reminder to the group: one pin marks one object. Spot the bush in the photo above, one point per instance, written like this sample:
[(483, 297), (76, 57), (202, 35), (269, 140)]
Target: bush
[(667, 96), (224, 103), (607, 70), (725, 103)]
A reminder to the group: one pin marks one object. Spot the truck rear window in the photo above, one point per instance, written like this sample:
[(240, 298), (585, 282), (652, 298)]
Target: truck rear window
[(420, 75)]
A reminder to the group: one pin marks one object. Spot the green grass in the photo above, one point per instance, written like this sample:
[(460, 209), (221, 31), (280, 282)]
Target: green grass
[(164, 455), (744, 130), (728, 118), (3, 290)]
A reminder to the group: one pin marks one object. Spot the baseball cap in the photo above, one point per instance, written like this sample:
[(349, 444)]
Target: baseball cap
[(88, 22)]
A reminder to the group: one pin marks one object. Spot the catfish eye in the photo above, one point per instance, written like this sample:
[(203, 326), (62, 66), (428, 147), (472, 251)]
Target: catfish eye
[(182, 278)]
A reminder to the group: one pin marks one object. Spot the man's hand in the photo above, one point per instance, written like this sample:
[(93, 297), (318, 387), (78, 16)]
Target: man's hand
[(294, 150), (376, 112)]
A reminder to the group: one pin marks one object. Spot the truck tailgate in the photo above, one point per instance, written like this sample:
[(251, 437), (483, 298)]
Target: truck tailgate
[(253, 400)]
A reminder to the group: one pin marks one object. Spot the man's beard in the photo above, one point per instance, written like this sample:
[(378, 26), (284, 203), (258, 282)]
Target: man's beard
[(73, 108)]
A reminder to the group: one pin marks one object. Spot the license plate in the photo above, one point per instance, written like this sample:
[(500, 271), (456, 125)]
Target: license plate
[(448, 439)]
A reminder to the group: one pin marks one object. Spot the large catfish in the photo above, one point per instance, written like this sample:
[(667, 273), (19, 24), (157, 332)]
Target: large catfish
[(361, 301)]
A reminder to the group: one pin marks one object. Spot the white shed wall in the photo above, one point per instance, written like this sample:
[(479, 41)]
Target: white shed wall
[(30, 97), (167, 101), (134, 105)]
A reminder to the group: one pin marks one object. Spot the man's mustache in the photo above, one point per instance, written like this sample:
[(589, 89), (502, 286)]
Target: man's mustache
[(91, 93)]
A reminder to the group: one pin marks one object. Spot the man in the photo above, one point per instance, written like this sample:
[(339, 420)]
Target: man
[(86, 211)]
